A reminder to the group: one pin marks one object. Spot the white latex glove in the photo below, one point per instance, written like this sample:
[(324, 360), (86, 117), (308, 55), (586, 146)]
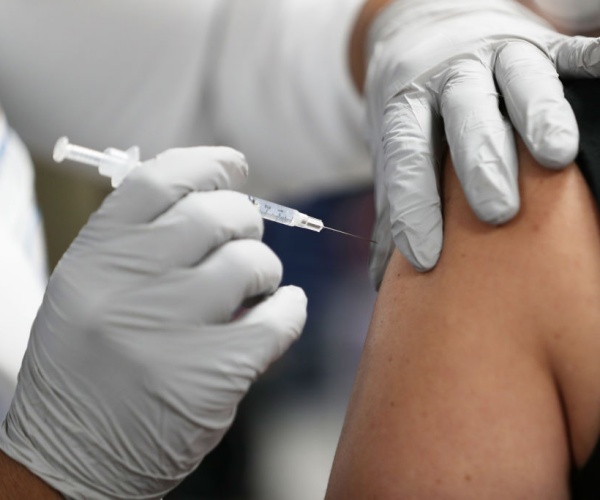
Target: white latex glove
[(438, 66), (137, 358)]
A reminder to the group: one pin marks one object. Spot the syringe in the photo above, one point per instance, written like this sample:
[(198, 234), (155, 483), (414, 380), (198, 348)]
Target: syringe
[(284, 215), (113, 163), (117, 164)]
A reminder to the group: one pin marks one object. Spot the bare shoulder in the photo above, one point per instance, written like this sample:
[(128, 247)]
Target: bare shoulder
[(480, 378)]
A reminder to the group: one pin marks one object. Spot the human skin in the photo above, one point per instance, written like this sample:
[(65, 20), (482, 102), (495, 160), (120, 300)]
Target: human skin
[(18, 483), (479, 379)]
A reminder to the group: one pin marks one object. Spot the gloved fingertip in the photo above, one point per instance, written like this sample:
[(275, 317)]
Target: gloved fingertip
[(290, 302), (280, 318), (497, 211), (294, 293), (425, 265), (423, 255), (554, 142), (558, 149)]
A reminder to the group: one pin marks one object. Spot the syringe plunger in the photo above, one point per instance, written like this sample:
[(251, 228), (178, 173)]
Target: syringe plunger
[(113, 163)]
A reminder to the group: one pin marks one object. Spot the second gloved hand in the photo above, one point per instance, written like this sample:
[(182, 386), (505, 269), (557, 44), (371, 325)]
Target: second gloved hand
[(139, 354), (439, 66)]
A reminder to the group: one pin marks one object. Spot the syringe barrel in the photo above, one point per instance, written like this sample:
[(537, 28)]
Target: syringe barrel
[(284, 215), (275, 212)]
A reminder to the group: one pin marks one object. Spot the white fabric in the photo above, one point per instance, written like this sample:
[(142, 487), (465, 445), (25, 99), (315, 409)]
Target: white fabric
[(265, 76), (284, 96), (22, 258), (140, 353), (107, 72)]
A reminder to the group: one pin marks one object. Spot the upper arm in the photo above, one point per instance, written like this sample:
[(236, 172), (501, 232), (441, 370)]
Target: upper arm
[(19, 483), (462, 390)]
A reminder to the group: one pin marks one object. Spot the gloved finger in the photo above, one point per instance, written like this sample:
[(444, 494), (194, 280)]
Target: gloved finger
[(267, 330), (230, 275), (157, 184), (536, 104), (577, 56), (198, 224), (211, 292), (412, 148), (236, 353), (481, 141)]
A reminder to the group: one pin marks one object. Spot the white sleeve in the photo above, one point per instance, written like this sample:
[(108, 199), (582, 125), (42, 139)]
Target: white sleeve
[(21, 293), (266, 76), (22, 258), (106, 72), (285, 98)]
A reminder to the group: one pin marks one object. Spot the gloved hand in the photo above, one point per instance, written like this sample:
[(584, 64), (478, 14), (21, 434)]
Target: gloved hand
[(139, 354), (439, 65)]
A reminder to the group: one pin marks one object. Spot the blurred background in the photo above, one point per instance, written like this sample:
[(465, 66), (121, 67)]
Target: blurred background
[(282, 443)]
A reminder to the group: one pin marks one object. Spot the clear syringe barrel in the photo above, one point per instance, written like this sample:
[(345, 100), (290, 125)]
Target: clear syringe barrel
[(285, 215), (117, 164)]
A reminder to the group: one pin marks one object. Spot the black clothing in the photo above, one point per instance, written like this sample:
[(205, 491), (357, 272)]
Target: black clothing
[(584, 96)]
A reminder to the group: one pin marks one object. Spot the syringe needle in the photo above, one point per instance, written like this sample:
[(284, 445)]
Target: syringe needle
[(349, 234)]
